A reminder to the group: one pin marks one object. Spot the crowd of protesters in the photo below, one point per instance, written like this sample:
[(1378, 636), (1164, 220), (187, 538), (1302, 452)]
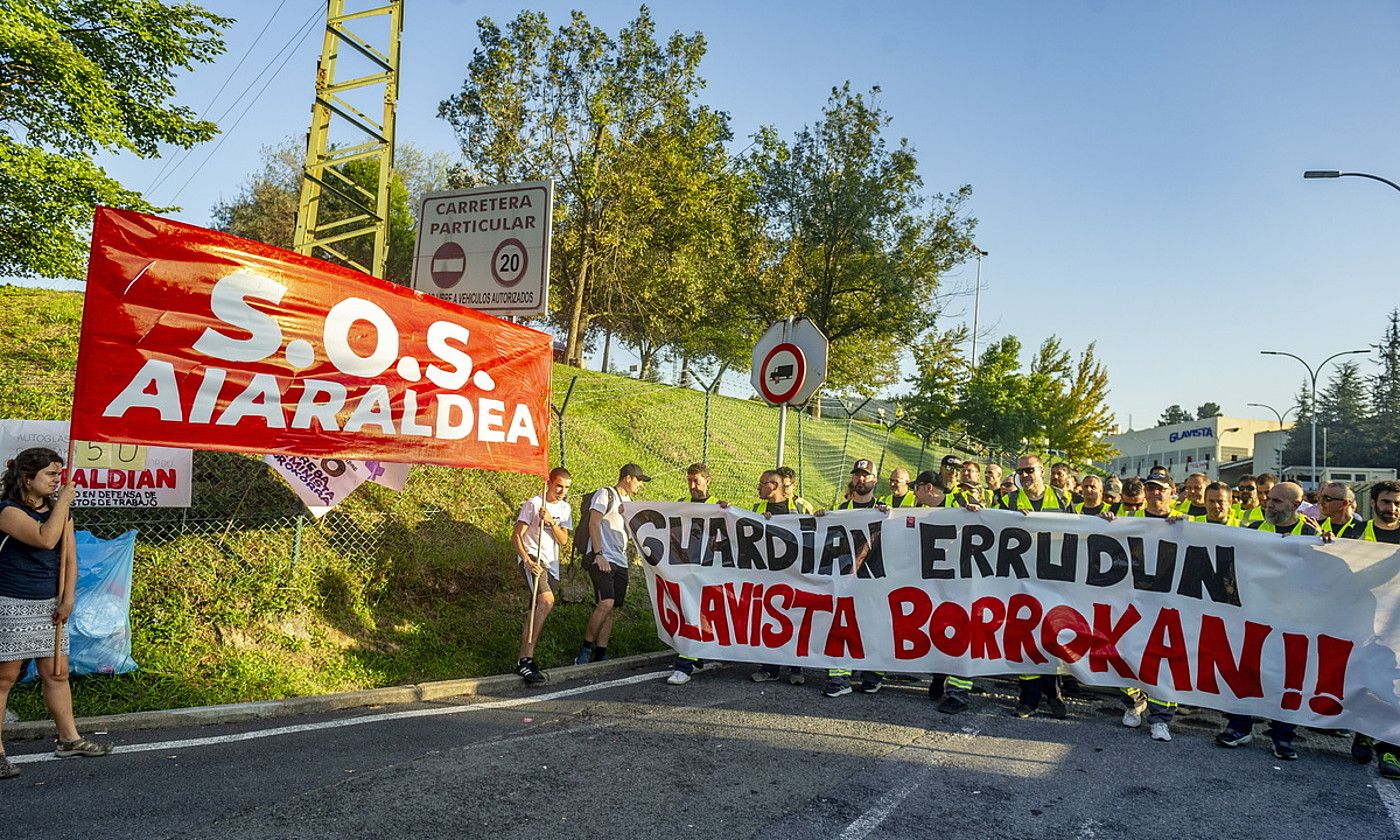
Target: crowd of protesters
[(1259, 502)]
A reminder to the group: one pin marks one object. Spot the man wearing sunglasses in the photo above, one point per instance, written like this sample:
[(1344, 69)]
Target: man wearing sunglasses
[(1247, 507), (1131, 499), (1337, 506)]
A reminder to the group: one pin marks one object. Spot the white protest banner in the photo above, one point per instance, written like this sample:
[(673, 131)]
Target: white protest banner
[(1213, 616), (109, 475), (323, 483)]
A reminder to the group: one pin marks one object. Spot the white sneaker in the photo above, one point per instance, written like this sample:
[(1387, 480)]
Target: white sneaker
[(1160, 732), (678, 678), (1132, 718)]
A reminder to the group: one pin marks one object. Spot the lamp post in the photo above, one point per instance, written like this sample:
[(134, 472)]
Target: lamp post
[(976, 304), (1275, 411), (1332, 173), (1312, 376)]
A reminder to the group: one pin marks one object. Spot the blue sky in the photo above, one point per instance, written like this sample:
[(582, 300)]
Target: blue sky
[(1136, 166)]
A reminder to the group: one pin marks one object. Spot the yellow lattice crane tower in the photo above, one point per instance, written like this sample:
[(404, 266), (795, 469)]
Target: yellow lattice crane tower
[(339, 214)]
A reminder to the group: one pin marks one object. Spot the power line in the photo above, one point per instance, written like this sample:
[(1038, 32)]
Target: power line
[(289, 47), (210, 104)]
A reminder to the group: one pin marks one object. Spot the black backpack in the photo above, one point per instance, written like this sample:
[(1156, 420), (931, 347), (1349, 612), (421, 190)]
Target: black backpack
[(583, 533)]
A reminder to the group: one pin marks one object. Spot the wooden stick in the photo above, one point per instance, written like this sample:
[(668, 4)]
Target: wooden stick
[(63, 564), (535, 592)]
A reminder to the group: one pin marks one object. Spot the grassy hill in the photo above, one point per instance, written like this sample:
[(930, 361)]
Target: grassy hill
[(243, 596)]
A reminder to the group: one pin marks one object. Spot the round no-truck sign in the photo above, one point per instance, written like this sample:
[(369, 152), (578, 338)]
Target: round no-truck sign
[(789, 362)]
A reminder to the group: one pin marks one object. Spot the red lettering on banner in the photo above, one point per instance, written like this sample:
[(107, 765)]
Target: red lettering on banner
[(714, 621), (987, 616), (844, 638), (1019, 636), (778, 634), (809, 602), (1066, 618), (1332, 658), (949, 629), (1295, 663), (1166, 643), (740, 604), (1107, 632), (910, 610), (670, 619), (1215, 657)]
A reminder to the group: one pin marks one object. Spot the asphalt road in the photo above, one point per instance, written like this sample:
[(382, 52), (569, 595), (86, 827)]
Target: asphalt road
[(719, 758)]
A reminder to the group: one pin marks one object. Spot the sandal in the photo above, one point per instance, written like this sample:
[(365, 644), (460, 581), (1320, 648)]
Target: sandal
[(7, 770), (80, 746)]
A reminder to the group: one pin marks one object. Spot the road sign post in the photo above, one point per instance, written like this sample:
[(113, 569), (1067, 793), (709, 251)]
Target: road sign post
[(788, 366), (487, 248)]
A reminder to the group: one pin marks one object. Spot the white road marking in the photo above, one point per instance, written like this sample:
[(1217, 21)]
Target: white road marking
[(871, 819), (167, 746), (1390, 798), (1086, 831)]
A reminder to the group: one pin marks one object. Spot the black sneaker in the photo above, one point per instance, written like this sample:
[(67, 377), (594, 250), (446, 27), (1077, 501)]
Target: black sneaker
[(1023, 711), (952, 704), (529, 671), (1283, 750), (869, 686), (935, 690), (1057, 708), (1363, 748), (1390, 765), (837, 687), (1231, 738)]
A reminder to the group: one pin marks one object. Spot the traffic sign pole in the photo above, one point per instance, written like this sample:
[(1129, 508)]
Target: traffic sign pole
[(782, 407)]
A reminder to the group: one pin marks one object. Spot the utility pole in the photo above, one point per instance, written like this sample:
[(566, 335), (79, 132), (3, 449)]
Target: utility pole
[(334, 210)]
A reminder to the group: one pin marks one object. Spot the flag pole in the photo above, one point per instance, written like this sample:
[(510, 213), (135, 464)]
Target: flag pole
[(63, 562)]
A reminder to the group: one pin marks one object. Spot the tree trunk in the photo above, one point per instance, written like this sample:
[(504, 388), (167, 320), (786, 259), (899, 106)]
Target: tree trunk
[(607, 349), (573, 351)]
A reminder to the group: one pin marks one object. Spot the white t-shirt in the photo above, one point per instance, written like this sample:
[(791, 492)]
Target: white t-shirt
[(607, 503), (529, 514)]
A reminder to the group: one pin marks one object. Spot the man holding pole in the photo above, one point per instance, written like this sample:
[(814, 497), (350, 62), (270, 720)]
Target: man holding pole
[(541, 529)]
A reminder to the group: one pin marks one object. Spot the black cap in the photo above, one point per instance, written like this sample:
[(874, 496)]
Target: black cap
[(926, 477), (863, 465), (634, 471), (1160, 479), (952, 461)]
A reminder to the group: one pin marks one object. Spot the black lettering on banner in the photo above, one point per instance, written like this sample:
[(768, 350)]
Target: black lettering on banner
[(1101, 547), (652, 549), (976, 539), (1067, 568), (1218, 578), (930, 554), (748, 534), (1161, 579), (687, 552), (1012, 544), (836, 549), (719, 544), (333, 467), (869, 554), (776, 537)]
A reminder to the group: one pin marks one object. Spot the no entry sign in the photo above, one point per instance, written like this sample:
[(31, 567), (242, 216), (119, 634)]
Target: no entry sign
[(487, 248), (789, 362)]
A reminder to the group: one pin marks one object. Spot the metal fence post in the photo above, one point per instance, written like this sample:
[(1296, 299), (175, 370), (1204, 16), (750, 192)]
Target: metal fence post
[(296, 541), (559, 412), (884, 447), (846, 440), (705, 432), (923, 447)]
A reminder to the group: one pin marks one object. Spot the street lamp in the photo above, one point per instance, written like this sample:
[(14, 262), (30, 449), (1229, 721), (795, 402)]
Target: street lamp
[(976, 304), (1332, 173), (1312, 376), (1275, 411)]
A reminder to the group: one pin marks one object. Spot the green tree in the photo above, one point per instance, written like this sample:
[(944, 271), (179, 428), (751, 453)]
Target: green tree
[(858, 248), (1383, 426), (578, 106), (940, 370), (1207, 410), (265, 208), (1079, 420), (78, 77), (990, 401), (1173, 414)]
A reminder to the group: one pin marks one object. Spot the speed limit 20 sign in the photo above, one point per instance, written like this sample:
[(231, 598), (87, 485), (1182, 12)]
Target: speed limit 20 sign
[(487, 248)]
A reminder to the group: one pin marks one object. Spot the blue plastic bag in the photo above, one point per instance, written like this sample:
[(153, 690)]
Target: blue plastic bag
[(100, 627)]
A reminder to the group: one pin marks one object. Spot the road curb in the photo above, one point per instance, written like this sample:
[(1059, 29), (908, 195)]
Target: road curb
[(290, 706)]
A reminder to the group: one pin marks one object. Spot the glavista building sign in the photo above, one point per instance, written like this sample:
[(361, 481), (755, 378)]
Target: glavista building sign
[(1184, 448)]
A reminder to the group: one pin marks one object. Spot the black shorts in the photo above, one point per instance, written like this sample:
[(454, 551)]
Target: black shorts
[(609, 585)]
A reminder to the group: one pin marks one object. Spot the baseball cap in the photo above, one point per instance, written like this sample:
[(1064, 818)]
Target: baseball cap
[(952, 461), (863, 465), (926, 477), (1160, 480), (634, 471)]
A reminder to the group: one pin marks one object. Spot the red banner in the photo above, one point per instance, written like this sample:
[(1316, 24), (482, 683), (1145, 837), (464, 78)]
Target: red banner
[(201, 340)]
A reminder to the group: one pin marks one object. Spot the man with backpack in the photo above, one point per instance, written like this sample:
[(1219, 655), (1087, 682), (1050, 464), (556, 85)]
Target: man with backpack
[(605, 557), (540, 534)]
